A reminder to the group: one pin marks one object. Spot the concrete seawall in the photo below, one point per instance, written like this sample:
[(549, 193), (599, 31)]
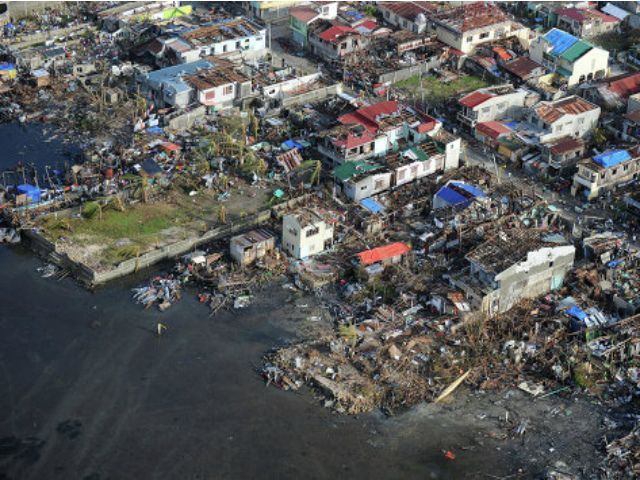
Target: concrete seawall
[(91, 278)]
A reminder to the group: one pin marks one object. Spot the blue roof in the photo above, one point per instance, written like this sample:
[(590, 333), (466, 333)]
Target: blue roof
[(7, 66), (371, 205), (25, 187), (452, 197), (289, 144), (476, 192), (577, 312), (560, 40), (611, 158), (171, 76)]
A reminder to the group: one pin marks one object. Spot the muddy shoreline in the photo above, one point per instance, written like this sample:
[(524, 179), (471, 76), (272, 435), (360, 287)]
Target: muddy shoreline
[(101, 396)]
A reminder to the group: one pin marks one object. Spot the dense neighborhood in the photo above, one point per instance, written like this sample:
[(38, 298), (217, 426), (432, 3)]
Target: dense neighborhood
[(436, 172)]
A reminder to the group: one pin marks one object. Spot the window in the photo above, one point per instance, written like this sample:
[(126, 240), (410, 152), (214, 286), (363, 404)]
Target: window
[(484, 35), (470, 38), (379, 185), (343, 45), (614, 171), (312, 231), (238, 45), (224, 47), (414, 170), (228, 90), (364, 187), (293, 232), (486, 110), (502, 106)]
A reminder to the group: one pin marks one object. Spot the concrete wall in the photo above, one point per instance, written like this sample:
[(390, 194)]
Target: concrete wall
[(187, 120), (313, 96), (403, 74)]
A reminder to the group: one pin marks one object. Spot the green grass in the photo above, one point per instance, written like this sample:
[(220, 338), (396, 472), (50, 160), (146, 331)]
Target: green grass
[(436, 90)]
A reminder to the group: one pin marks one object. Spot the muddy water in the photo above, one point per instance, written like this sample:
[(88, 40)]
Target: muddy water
[(87, 390)]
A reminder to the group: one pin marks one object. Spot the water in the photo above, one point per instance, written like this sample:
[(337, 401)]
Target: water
[(87, 390)]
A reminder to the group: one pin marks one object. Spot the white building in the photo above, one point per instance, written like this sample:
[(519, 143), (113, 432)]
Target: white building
[(495, 103), (606, 171), (472, 24), (306, 233), (572, 59), (570, 116), (235, 36), (514, 265)]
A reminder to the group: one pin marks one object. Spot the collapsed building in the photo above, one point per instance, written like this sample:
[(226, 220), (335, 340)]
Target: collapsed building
[(513, 265)]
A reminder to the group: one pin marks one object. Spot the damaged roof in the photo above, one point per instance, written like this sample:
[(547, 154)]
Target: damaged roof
[(566, 144), (508, 248), (379, 254), (471, 16), (573, 105), (521, 67), (474, 99)]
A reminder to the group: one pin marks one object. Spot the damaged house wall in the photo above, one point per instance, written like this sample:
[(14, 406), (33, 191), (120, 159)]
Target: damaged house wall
[(543, 270)]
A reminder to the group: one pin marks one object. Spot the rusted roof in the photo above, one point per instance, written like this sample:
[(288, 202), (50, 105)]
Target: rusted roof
[(624, 85), (332, 34), (584, 14), (290, 159), (304, 14), (550, 112), (409, 10), (566, 144), (474, 99), (633, 116), (471, 16), (379, 254), (521, 67)]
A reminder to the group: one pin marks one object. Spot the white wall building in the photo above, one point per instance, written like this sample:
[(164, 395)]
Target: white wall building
[(306, 233), (571, 116), (495, 103)]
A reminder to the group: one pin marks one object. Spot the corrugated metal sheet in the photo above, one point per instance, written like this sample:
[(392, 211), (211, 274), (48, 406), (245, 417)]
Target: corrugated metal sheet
[(560, 40), (382, 253), (576, 50)]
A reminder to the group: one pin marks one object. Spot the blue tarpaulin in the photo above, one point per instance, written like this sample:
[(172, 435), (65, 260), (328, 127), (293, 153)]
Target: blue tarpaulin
[(560, 40), (452, 197), (371, 205), (611, 158), (476, 192), (577, 312), (289, 144), (614, 263), (155, 130), (32, 192)]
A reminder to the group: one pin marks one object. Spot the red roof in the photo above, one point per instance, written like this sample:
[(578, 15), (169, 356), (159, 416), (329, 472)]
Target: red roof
[(368, 116), (369, 24), (428, 125), (583, 14), (304, 14), (333, 33), (625, 85), (382, 253), (493, 129), (474, 99), (502, 53), (352, 141)]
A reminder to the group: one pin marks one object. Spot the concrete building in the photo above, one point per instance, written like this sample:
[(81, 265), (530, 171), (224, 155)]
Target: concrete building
[(606, 171), (306, 233), (220, 88), (514, 265), (411, 16), (168, 86), (235, 36), (455, 194), (245, 249), (472, 24), (300, 18), (269, 10), (613, 93), (495, 103), (361, 179), (585, 22), (570, 116), (572, 60), (337, 42), (562, 155)]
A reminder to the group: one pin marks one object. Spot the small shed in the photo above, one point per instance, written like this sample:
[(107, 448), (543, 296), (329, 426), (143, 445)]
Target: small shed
[(251, 246), (31, 192), (376, 259)]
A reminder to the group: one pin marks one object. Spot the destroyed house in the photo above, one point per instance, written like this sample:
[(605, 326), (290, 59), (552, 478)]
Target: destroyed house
[(613, 92), (514, 265), (231, 36), (219, 87), (523, 69), (301, 17), (456, 194), (376, 130), (585, 22), (336, 41), (494, 103), (569, 116), (168, 86), (306, 233), (571, 59), (251, 246), (410, 16), (471, 24), (606, 171), (360, 179), (375, 260), (563, 154)]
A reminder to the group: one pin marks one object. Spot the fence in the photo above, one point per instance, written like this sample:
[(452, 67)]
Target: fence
[(403, 74), (313, 96)]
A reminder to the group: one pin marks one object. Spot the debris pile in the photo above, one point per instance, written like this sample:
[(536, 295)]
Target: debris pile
[(162, 290)]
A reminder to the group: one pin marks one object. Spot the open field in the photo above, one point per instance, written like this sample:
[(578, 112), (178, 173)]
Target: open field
[(109, 236), (437, 90)]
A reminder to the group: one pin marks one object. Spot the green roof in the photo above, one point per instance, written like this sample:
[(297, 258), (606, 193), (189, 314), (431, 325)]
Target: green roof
[(563, 71), (420, 155), (576, 50), (350, 169)]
